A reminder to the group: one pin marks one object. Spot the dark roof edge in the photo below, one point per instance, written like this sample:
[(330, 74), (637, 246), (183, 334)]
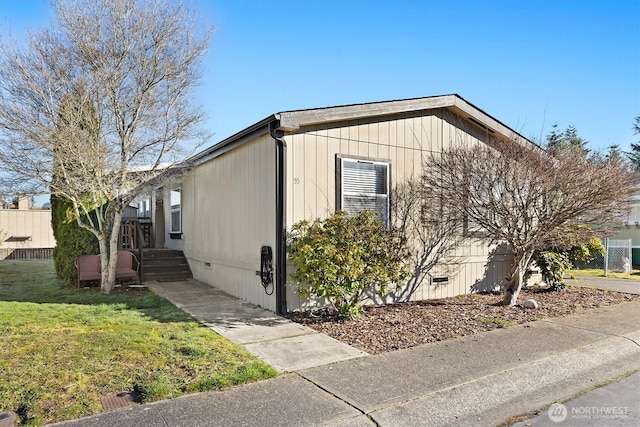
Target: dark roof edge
[(231, 142)]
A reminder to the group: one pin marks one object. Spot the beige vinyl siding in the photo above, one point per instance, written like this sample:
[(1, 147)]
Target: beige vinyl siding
[(228, 212), (405, 141), (35, 224)]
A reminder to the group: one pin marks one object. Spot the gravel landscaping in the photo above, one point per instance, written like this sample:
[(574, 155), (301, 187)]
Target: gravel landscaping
[(395, 326)]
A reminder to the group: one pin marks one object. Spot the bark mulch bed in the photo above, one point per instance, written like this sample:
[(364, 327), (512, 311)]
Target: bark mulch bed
[(395, 326)]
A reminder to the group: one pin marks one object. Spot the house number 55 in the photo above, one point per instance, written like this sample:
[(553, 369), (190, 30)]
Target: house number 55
[(296, 180)]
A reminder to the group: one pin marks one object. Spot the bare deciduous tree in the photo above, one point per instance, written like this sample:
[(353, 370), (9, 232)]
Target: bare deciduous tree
[(528, 198), (431, 232), (90, 101)]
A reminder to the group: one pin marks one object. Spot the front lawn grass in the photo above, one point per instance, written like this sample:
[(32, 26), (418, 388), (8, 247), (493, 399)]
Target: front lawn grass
[(61, 350), (598, 272)]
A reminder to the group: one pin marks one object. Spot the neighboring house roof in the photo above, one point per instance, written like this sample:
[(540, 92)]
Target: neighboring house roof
[(290, 121)]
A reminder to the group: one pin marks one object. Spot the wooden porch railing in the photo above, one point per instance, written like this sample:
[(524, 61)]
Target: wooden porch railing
[(136, 234)]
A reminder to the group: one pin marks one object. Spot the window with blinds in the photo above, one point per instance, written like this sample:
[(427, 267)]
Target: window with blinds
[(365, 186)]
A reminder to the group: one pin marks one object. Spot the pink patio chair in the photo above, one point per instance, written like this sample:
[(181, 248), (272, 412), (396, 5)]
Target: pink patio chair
[(88, 267), (127, 267)]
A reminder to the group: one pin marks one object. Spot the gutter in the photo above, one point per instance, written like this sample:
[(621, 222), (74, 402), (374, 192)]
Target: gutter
[(281, 232), (231, 142)]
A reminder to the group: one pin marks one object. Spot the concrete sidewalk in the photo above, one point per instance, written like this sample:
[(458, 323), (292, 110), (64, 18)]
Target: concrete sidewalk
[(285, 345), (478, 380), (620, 285)]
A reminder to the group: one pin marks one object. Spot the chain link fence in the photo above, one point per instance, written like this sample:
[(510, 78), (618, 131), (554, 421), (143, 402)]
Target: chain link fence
[(617, 258)]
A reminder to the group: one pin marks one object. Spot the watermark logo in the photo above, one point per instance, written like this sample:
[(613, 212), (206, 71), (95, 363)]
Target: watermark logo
[(557, 412)]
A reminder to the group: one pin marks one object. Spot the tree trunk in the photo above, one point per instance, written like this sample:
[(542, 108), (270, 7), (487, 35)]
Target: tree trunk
[(516, 277), (109, 271), (109, 262), (512, 291), (104, 264)]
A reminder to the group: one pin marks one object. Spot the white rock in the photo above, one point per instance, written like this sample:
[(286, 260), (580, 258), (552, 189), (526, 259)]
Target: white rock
[(531, 303)]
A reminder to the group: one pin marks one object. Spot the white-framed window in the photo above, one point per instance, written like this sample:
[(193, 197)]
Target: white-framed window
[(175, 200), (364, 185)]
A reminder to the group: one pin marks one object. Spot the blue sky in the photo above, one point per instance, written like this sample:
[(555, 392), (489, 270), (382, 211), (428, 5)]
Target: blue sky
[(530, 64)]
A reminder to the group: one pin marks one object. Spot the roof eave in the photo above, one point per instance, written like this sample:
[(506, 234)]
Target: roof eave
[(293, 120)]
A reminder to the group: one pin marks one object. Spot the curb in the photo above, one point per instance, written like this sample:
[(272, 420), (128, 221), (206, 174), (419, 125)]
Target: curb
[(492, 399)]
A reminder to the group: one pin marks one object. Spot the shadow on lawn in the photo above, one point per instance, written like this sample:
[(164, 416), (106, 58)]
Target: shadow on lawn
[(35, 281)]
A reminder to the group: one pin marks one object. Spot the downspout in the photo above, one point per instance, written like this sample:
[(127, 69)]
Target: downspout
[(281, 232)]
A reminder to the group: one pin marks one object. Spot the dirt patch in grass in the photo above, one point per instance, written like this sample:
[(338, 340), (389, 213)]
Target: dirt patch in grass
[(392, 327)]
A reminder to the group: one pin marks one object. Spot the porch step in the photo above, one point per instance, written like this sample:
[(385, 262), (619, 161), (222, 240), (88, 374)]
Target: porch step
[(165, 265)]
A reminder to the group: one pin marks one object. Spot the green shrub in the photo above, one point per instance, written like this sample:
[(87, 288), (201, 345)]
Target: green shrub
[(71, 240), (552, 266), (346, 259), (554, 262)]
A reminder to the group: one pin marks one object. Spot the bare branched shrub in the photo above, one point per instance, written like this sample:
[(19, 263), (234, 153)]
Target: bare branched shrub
[(528, 198), (426, 224)]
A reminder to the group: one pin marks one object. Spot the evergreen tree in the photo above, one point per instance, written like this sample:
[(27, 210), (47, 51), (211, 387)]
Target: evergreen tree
[(614, 152), (566, 140), (71, 240), (634, 154)]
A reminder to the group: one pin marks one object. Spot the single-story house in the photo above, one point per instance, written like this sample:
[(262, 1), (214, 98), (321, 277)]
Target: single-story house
[(230, 214)]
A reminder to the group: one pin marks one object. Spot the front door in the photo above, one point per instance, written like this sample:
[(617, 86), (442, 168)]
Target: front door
[(159, 220)]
